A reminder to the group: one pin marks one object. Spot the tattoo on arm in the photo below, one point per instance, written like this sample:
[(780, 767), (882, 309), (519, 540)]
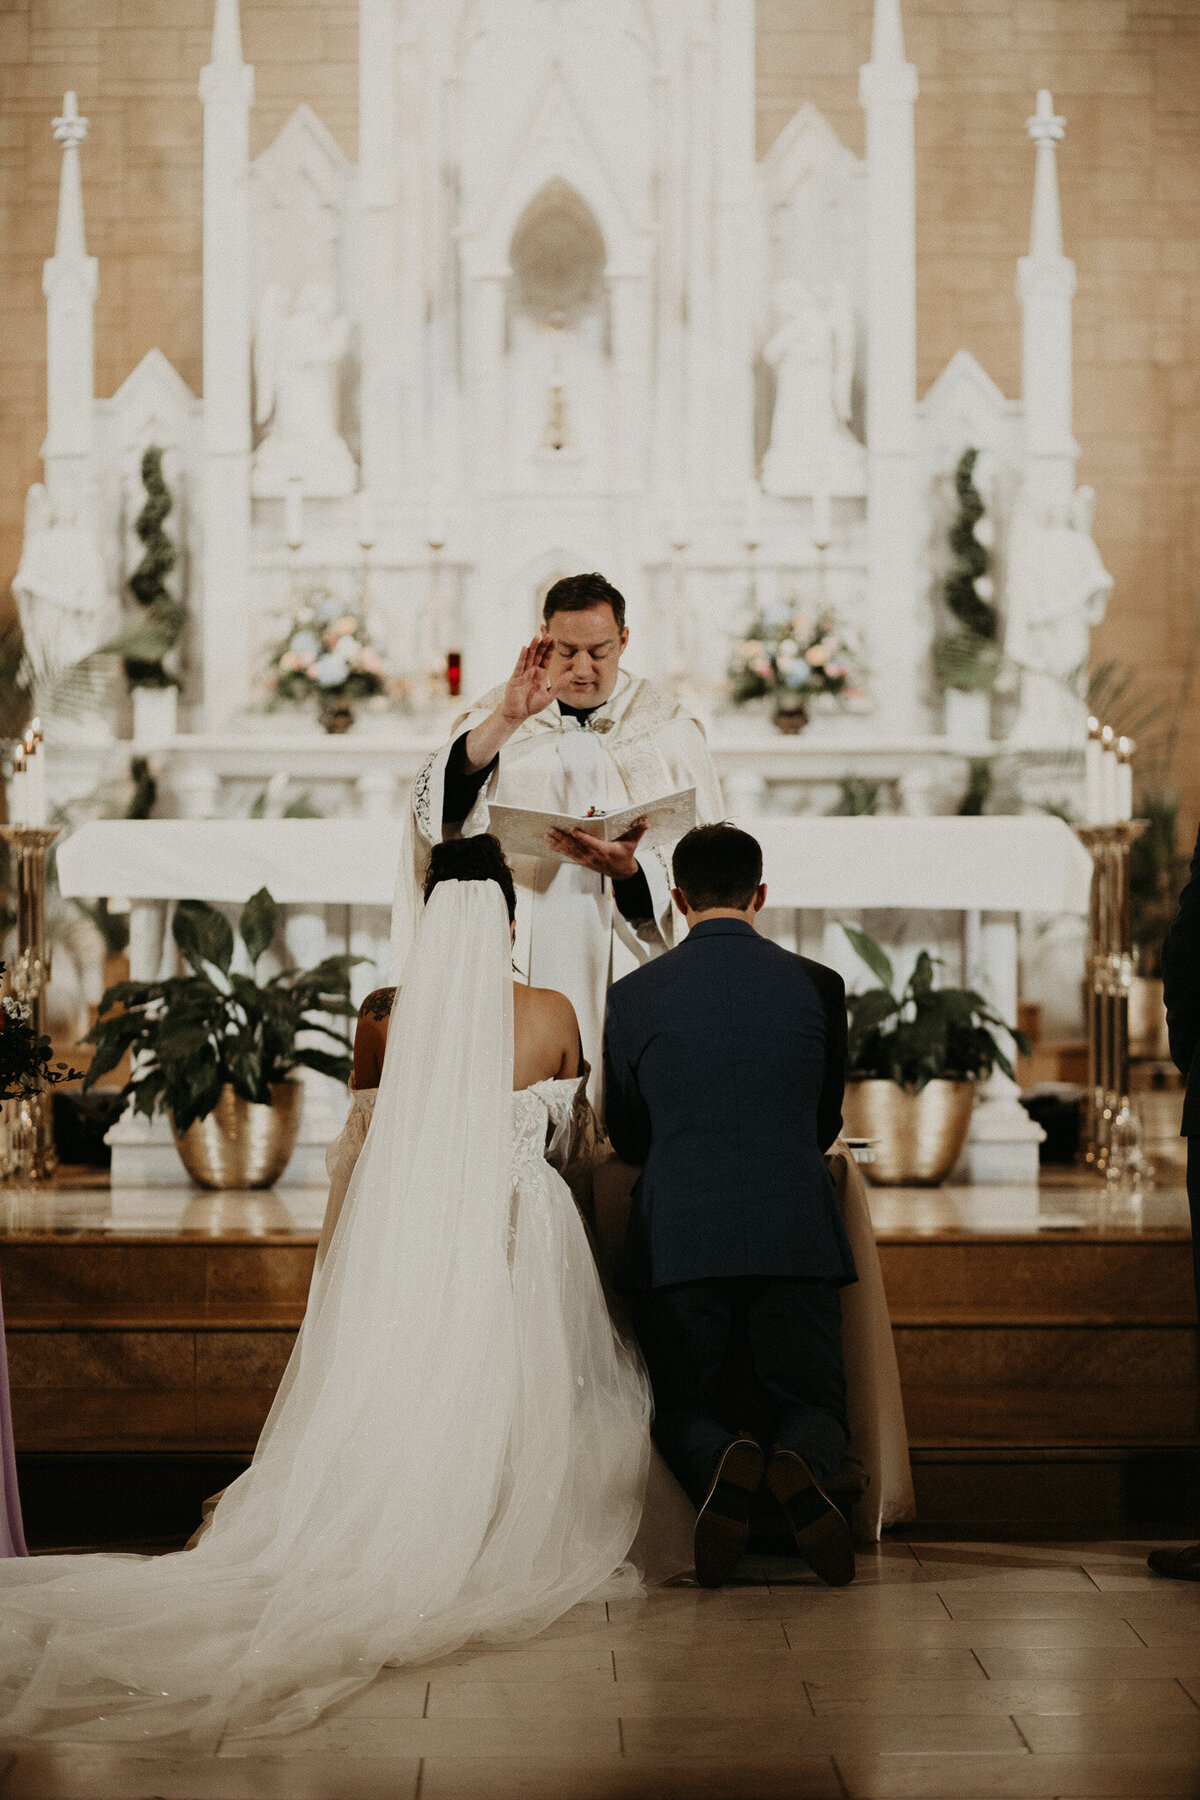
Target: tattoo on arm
[(378, 1005)]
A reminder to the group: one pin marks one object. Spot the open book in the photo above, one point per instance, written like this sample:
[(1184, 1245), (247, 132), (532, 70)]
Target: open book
[(523, 831)]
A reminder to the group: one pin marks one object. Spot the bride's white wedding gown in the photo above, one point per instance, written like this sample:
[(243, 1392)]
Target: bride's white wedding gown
[(458, 1449)]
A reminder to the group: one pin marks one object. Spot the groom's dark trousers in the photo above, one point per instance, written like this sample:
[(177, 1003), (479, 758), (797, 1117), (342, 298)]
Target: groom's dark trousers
[(725, 1065)]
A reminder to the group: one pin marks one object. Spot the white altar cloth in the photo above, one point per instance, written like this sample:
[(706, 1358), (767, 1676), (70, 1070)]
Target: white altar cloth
[(1031, 863), (1027, 863), (304, 862)]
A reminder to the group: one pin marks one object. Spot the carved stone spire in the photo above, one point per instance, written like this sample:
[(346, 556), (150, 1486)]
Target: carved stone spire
[(1045, 285), (1047, 129), (70, 131), (887, 35), (227, 92), (887, 93), (69, 284), (227, 35)]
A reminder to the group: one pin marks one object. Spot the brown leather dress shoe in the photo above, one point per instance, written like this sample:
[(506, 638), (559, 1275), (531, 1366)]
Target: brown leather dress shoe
[(1179, 1565), (723, 1522), (821, 1533)]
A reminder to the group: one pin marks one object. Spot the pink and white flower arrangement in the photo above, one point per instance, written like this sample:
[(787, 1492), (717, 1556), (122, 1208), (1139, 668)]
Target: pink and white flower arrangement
[(326, 655), (792, 657)]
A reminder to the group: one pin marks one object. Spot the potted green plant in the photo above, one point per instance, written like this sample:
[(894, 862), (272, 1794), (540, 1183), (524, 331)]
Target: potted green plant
[(913, 1060), (218, 1050)]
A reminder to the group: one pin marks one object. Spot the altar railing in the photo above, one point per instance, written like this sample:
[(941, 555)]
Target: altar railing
[(367, 773)]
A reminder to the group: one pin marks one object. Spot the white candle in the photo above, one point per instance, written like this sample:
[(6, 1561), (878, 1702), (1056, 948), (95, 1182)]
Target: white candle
[(822, 519), (753, 514), (1093, 780), (366, 519), (17, 790), (1108, 779), (1125, 750), (293, 512)]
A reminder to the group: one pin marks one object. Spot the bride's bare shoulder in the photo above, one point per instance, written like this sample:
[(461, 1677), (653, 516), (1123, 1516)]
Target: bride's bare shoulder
[(549, 1031)]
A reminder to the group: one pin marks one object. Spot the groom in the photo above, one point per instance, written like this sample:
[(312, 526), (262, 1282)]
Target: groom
[(725, 1064)]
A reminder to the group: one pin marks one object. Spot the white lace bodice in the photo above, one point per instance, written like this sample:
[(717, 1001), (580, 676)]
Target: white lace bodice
[(542, 1117)]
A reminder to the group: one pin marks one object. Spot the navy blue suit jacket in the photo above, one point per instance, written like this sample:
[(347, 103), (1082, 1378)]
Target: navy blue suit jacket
[(1181, 990), (725, 1065)]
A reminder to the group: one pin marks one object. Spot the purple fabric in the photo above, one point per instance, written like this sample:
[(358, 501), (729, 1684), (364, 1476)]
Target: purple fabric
[(12, 1532)]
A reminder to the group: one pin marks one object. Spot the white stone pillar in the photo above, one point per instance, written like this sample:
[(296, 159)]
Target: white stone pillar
[(226, 93), (485, 376), (1045, 285), (386, 403), (1002, 1144), (69, 280), (629, 301), (699, 420), (887, 92), (736, 196)]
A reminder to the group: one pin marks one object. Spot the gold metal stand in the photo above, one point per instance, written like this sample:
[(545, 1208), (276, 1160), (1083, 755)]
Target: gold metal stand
[(1110, 974), (29, 844)]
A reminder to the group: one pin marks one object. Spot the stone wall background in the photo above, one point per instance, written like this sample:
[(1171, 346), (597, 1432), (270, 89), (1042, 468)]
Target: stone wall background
[(1126, 73)]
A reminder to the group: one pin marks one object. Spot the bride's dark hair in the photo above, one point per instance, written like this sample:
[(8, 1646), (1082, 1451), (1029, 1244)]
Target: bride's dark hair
[(472, 859)]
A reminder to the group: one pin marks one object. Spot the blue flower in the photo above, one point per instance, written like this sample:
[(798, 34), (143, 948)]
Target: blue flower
[(330, 671)]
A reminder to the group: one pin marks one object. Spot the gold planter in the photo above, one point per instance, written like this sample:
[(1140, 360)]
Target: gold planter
[(918, 1137), (241, 1144), (1147, 1019)]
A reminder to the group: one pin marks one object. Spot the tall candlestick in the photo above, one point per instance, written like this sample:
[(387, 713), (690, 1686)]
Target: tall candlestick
[(366, 519), (822, 516), (1093, 777), (753, 525), (293, 512)]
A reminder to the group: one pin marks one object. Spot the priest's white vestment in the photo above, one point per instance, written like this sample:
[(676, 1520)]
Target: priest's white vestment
[(570, 935)]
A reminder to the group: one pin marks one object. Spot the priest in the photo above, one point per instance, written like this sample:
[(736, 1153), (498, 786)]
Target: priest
[(570, 731)]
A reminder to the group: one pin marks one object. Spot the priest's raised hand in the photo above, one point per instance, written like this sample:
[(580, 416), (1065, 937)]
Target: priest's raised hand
[(533, 686)]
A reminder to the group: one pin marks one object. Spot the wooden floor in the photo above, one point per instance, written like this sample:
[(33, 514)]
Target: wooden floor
[(948, 1669)]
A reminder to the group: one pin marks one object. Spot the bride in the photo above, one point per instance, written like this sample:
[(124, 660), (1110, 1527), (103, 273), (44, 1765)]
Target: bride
[(459, 1446)]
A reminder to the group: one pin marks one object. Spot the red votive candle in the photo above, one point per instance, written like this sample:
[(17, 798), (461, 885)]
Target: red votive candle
[(454, 672)]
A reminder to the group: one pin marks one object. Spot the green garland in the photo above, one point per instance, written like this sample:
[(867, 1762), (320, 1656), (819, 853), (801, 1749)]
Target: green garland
[(968, 658), (145, 645)]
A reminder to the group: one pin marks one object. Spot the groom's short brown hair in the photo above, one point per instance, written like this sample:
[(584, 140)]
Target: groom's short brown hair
[(717, 865), (575, 593)]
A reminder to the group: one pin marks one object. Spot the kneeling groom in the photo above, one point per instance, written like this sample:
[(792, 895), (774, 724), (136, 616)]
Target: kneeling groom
[(725, 1069)]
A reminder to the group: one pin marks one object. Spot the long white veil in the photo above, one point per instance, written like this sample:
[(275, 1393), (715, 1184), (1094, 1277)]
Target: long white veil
[(402, 1498)]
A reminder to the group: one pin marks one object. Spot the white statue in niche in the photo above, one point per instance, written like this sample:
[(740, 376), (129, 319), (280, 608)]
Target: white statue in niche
[(61, 590), (1057, 590), (298, 350), (812, 352)]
